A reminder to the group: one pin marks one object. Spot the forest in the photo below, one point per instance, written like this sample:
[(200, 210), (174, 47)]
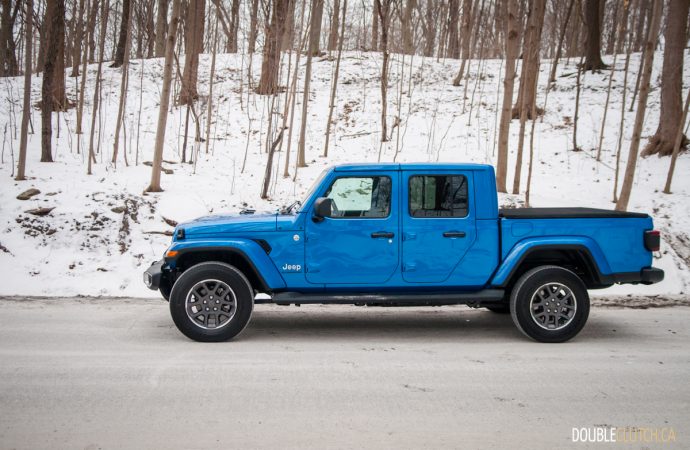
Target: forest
[(122, 118)]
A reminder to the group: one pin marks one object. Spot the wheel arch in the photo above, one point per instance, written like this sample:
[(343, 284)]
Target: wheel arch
[(576, 257), (250, 258)]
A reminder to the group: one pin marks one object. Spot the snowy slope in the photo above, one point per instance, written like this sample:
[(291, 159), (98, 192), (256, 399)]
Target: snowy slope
[(89, 246)]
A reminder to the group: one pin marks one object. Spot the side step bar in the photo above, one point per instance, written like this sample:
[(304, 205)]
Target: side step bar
[(478, 298)]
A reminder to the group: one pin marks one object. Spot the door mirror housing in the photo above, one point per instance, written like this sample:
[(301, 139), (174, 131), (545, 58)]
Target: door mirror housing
[(323, 208)]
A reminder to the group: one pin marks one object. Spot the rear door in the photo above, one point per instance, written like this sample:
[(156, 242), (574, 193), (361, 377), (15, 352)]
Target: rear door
[(438, 224), (360, 243)]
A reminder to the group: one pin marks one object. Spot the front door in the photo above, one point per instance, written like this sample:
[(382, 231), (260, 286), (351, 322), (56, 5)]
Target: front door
[(359, 244), (437, 223)]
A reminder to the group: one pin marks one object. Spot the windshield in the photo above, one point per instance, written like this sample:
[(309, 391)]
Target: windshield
[(287, 209), (314, 186)]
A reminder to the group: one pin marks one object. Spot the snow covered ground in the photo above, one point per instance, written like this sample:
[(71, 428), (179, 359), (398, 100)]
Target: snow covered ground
[(104, 231)]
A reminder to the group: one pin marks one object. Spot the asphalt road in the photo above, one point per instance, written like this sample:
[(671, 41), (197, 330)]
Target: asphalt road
[(78, 373)]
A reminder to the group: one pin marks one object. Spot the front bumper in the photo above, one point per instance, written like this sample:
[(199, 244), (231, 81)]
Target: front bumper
[(153, 275)]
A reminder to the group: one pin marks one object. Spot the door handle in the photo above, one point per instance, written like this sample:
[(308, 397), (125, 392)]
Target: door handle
[(382, 234), (454, 234)]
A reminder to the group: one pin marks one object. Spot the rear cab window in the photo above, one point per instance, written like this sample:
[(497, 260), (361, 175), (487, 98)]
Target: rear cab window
[(438, 196)]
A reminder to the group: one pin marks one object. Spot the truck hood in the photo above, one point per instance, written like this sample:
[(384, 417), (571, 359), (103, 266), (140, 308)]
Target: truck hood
[(230, 223)]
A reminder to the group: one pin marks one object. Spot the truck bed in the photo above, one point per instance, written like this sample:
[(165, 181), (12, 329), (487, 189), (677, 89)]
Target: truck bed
[(567, 213)]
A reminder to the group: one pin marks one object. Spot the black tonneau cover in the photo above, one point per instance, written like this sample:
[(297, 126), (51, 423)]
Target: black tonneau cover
[(567, 213)]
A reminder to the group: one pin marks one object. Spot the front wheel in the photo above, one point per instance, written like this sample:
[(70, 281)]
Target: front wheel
[(211, 302), (549, 304)]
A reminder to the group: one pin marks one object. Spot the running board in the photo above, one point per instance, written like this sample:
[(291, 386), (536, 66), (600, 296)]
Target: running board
[(478, 298)]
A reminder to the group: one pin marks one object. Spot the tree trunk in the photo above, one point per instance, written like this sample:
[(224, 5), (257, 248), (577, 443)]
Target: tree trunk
[(78, 38), (528, 83), (465, 38), (676, 145), (529, 74), (650, 45), (314, 30), (315, 27), (333, 34), (253, 26), (675, 38), (561, 37), (592, 17), (211, 79), (8, 58), (334, 83), (430, 25), (384, 10), (53, 88), (511, 50), (26, 106), (124, 81), (375, 27), (122, 39), (155, 185), (407, 29), (270, 64), (105, 10), (193, 45), (161, 26), (453, 47)]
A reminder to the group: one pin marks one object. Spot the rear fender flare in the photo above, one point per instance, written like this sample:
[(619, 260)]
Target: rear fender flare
[(522, 249)]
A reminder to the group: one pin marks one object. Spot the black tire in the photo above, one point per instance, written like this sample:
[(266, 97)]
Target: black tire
[(240, 296), (554, 283), (499, 309)]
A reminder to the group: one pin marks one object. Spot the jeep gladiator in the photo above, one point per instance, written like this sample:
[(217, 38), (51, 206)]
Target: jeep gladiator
[(403, 235)]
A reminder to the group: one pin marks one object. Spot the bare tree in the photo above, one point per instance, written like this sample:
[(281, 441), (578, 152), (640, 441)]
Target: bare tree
[(559, 47), (105, 9), (333, 33), (529, 74), (79, 36), (624, 199), (124, 81), (253, 26), (511, 49), (334, 83), (194, 45), (161, 26), (315, 27), (384, 10), (676, 146), (270, 65), (675, 39), (8, 58), (124, 31), (375, 27), (592, 17), (528, 83), (53, 90), (26, 106), (155, 185)]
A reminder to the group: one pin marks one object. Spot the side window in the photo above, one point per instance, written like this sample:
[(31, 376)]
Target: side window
[(368, 197), (438, 196)]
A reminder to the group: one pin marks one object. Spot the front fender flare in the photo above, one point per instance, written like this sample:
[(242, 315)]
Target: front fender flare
[(246, 248), (523, 248)]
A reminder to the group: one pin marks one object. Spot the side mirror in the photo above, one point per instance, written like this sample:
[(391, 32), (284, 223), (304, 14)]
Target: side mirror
[(322, 208)]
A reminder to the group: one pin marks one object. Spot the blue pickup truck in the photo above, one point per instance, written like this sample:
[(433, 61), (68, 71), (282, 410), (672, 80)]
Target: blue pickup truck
[(403, 235)]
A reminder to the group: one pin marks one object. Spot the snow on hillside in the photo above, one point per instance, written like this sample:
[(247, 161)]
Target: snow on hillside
[(104, 231)]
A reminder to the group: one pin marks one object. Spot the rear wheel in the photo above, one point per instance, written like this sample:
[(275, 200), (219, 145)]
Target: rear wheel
[(549, 304), (211, 302)]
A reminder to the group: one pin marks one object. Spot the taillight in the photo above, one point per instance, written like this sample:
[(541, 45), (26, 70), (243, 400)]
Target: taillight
[(652, 240)]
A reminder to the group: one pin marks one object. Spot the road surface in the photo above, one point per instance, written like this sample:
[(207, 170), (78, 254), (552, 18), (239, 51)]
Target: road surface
[(84, 373)]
